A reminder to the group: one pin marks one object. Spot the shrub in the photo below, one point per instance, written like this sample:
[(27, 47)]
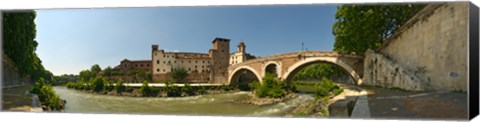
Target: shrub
[(109, 86), (145, 89), (119, 87), (98, 84), (325, 87), (46, 94), (188, 89), (271, 87), (171, 89)]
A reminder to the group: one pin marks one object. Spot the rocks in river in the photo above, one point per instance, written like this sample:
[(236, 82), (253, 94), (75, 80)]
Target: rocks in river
[(252, 99)]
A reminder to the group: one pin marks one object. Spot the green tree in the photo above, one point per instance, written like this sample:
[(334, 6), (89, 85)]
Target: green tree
[(86, 75), (138, 75), (19, 43), (107, 72), (179, 74), (119, 87), (318, 71), (98, 84), (96, 69), (145, 89), (359, 27)]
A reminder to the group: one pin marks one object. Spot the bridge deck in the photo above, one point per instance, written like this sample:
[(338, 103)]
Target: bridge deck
[(163, 85)]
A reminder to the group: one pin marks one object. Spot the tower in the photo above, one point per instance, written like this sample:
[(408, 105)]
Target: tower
[(220, 55), (241, 47)]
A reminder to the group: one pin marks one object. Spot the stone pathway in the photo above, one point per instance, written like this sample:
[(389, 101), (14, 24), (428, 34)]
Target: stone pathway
[(397, 104)]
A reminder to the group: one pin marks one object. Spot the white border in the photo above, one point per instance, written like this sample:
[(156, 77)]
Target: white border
[(63, 117)]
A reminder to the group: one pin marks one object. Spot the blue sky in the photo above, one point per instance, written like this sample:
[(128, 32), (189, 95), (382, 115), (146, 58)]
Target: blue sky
[(71, 40)]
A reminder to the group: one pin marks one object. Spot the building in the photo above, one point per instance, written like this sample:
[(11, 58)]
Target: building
[(202, 67), (240, 56), (127, 65), (208, 67)]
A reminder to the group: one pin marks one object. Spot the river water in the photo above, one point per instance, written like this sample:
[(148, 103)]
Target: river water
[(212, 104)]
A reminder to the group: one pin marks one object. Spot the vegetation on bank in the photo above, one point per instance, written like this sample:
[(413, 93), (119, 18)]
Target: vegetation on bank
[(101, 86), (48, 98), (271, 87)]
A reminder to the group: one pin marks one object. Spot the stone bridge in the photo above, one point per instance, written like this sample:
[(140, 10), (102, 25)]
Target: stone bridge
[(285, 66)]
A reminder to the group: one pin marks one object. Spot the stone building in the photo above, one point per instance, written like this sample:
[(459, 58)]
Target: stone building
[(126, 65), (202, 67)]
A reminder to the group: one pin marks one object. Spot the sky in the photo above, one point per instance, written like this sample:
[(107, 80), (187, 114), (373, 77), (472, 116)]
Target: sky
[(71, 40)]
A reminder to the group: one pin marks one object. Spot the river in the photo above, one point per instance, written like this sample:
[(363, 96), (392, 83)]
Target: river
[(212, 104)]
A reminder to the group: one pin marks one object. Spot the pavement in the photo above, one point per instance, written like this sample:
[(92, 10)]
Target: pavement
[(387, 103)]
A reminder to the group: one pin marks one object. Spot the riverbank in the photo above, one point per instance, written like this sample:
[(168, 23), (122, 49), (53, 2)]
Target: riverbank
[(254, 100), (163, 93)]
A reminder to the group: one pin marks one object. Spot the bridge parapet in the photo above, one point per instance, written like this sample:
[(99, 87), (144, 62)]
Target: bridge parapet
[(303, 54)]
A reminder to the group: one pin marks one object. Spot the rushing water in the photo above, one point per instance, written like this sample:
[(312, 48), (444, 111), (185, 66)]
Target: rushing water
[(213, 104)]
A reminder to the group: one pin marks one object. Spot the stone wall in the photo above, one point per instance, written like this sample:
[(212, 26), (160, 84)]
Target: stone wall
[(10, 75), (380, 71), (432, 46)]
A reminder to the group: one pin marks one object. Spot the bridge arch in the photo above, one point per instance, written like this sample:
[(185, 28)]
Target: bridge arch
[(292, 70), (235, 74), (267, 67)]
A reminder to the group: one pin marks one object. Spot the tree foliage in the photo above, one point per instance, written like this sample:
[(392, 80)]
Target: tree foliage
[(318, 71), (19, 43), (359, 27), (179, 74), (271, 87)]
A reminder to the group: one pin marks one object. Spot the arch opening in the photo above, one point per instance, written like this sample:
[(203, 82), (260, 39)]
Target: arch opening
[(272, 69), (243, 79), (342, 74)]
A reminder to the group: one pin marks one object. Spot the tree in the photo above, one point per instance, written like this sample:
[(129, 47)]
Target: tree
[(19, 43), (86, 75), (108, 72), (96, 69), (359, 27), (138, 75), (98, 84), (145, 89), (179, 74), (119, 87), (318, 71)]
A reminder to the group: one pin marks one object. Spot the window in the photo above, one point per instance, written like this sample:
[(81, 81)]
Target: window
[(163, 70), (196, 61), (155, 54), (203, 66), (148, 65), (164, 56), (203, 61), (135, 65), (141, 65), (169, 62), (182, 62), (163, 62), (167, 56), (189, 61), (174, 61), (195, 66), (158, 70), (189, 69)]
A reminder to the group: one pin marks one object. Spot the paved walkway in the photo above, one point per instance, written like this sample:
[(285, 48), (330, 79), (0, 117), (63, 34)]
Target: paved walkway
[(397, 104)]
